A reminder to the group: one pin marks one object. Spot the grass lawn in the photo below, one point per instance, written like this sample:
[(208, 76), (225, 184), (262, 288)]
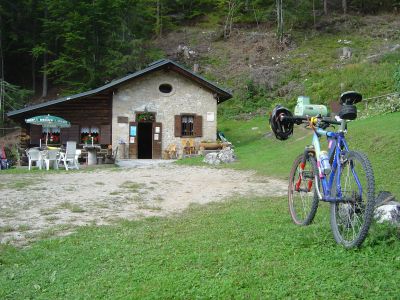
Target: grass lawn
[(245, 248)]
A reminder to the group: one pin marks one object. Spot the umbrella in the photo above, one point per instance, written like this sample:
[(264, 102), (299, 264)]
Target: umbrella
[(48, 121)]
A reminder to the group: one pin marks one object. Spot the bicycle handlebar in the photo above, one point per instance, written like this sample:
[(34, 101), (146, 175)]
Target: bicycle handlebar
[(298, 120)]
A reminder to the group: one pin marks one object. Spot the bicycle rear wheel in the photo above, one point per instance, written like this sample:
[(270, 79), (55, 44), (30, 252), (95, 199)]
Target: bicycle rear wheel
[(302, 194), (350, 220)]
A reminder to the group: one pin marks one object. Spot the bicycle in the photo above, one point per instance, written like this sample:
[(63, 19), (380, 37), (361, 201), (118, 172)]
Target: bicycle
[(344, 178)]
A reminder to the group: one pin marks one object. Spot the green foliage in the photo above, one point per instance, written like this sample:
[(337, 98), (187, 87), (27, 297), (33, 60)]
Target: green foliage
[(14, 98), (397, 78), (82, 44)]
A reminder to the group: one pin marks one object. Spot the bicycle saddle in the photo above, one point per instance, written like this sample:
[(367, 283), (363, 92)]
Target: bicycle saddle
[(350, 98)]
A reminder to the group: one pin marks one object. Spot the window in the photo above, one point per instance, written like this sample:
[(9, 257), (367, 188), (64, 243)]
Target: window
[(88, 133), (187, 125), (165, 88), (52, 135)]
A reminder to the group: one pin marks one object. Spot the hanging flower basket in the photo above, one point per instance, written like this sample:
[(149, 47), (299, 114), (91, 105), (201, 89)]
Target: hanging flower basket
[(145, 117)]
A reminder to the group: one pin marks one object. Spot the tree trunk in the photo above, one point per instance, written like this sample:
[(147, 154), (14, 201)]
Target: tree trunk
[(44, 82), (344, 6), (33, 72), (158, 20), (34, 38), (44, 86), (279, 18), (325, 7), (314, 16), (229, 18), (2, 90)]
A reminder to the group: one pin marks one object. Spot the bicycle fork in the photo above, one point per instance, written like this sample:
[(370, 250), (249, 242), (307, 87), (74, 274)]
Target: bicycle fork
[(304, 175)]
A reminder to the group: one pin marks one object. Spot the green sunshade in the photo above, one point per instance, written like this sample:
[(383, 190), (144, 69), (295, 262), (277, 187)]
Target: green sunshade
[(48, 121)]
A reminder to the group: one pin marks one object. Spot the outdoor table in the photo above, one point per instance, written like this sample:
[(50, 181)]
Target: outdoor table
[(92, 153)]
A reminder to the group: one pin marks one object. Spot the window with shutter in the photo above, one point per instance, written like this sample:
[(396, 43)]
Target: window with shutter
[(187, 128), (188, 125)]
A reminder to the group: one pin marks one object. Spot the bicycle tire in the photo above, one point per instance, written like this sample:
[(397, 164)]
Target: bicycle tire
[(350, 221), (303, 203)]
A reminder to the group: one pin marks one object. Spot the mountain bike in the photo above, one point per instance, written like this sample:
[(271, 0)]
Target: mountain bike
[(342, 177)]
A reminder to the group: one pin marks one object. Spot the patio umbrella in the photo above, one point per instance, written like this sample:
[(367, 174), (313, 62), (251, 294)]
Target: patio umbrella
[(48, 121)]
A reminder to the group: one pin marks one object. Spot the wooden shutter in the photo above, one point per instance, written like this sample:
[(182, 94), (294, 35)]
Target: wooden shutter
[(35, 134), (105, 134), (178, 126), (198, 126), (157, 140)]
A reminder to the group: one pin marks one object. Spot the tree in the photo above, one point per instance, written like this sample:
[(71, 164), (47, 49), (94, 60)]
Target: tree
[(279, 20), (344, 6)]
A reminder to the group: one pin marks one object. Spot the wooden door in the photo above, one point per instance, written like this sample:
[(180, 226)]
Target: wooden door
[(35, 134), (157, 140)]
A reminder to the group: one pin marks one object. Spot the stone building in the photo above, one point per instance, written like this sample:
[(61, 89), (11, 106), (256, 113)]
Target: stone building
[(141, 114)]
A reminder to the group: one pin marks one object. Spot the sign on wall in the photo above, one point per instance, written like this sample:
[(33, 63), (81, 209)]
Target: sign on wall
[(132, 131), (210, 116)]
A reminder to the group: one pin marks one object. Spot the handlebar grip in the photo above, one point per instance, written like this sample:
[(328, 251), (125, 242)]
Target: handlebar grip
[(297, 120), (330, 121)]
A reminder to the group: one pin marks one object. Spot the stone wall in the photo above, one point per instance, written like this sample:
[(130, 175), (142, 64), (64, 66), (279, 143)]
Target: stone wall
[(143, 94)]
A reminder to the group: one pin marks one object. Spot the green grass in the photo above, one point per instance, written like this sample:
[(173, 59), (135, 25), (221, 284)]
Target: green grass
[(325, 76), (378, 137), (132, 187), (246, 248), (38, 172)]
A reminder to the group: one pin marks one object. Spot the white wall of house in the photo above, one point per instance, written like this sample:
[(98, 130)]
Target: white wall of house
[(143, 94)]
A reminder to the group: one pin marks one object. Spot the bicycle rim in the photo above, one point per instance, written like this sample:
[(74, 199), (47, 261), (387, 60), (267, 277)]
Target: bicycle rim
[(302, 195), (350, 220)]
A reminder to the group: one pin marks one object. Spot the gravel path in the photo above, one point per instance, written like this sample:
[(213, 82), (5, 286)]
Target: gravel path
[(39, 205)]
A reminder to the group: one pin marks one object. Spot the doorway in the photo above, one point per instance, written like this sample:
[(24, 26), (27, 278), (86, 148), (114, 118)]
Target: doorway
[(145, 140)]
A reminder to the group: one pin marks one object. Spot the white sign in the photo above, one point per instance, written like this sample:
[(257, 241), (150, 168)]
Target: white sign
[(157, 129), (156, 137), (210, 116)]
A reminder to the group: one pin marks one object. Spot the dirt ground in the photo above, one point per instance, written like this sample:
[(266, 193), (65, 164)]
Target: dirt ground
[(39, 204)]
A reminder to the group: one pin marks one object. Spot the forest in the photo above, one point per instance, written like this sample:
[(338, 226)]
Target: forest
[(72, 45)]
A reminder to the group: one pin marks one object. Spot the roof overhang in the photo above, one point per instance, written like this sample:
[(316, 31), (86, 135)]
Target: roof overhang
[(220, 94)]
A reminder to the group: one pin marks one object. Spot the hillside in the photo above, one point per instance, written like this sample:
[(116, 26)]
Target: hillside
[(341, 53)]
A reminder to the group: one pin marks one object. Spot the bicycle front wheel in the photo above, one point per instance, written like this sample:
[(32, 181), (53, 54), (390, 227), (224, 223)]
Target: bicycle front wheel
[(351, 218), (302, 195)]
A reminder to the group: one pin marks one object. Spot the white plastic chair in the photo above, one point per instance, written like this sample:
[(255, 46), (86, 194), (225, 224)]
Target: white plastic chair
[(34, 156), (78, 154), (70, 157), (51, 156)]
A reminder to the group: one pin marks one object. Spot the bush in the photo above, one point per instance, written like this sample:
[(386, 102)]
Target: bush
[(397, 78)]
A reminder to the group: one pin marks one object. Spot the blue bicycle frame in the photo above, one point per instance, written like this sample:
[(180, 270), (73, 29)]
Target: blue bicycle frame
[(328, 181)]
